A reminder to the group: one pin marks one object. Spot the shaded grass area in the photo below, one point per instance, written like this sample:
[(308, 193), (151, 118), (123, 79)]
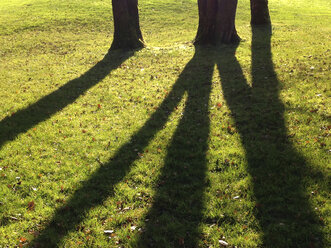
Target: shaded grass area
[(168, 146)]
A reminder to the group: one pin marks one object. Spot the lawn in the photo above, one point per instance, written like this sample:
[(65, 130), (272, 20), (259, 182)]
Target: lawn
[(168, 146)]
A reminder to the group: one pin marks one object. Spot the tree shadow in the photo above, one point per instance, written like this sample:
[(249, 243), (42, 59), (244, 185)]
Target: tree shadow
[(49, 105), (101, 184), (279, 173), (173, 220)]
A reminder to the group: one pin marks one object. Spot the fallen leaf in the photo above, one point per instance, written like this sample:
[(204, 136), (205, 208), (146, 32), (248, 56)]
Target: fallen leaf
[(31, 205), (22, 239)]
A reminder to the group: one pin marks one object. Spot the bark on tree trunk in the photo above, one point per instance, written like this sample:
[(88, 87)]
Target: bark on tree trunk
[(217, 22), (259, 12), (127, 34)]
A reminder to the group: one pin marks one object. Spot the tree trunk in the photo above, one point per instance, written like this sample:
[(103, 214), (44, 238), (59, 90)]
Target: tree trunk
[(127, 34), (217, 22), (259, 12)]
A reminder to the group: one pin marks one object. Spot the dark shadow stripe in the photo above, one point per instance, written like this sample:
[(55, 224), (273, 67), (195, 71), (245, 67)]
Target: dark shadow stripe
[(177, 208)]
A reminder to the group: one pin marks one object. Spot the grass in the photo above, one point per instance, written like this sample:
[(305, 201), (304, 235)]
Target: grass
[(167, 146)]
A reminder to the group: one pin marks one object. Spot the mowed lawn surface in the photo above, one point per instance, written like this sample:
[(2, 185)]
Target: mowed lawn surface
[(169, 146)]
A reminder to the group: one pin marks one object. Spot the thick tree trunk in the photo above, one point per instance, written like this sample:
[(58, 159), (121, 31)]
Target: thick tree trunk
[(127, 34), (217, 22), (259, 12)]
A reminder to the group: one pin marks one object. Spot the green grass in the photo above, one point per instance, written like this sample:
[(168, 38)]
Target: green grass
[(167, 146)]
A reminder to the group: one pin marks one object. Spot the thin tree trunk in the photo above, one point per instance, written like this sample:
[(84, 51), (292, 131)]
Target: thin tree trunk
[(127, 34), (217, 22), (259, 12)]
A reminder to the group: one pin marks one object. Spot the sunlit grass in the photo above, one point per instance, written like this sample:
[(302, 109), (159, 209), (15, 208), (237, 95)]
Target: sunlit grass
[(45, 44)]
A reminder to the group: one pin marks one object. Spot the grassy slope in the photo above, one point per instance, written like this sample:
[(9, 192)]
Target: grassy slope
[(63, 140)]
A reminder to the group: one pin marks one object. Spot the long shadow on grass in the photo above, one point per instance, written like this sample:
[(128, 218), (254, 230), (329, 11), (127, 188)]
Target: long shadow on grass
[(178, 203), (278, 171), (49, 105), (196, 81)]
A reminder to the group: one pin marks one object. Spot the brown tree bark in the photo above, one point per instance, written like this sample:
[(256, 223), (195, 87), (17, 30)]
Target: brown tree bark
[(260, 12), (127, 33), (217, 22)]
